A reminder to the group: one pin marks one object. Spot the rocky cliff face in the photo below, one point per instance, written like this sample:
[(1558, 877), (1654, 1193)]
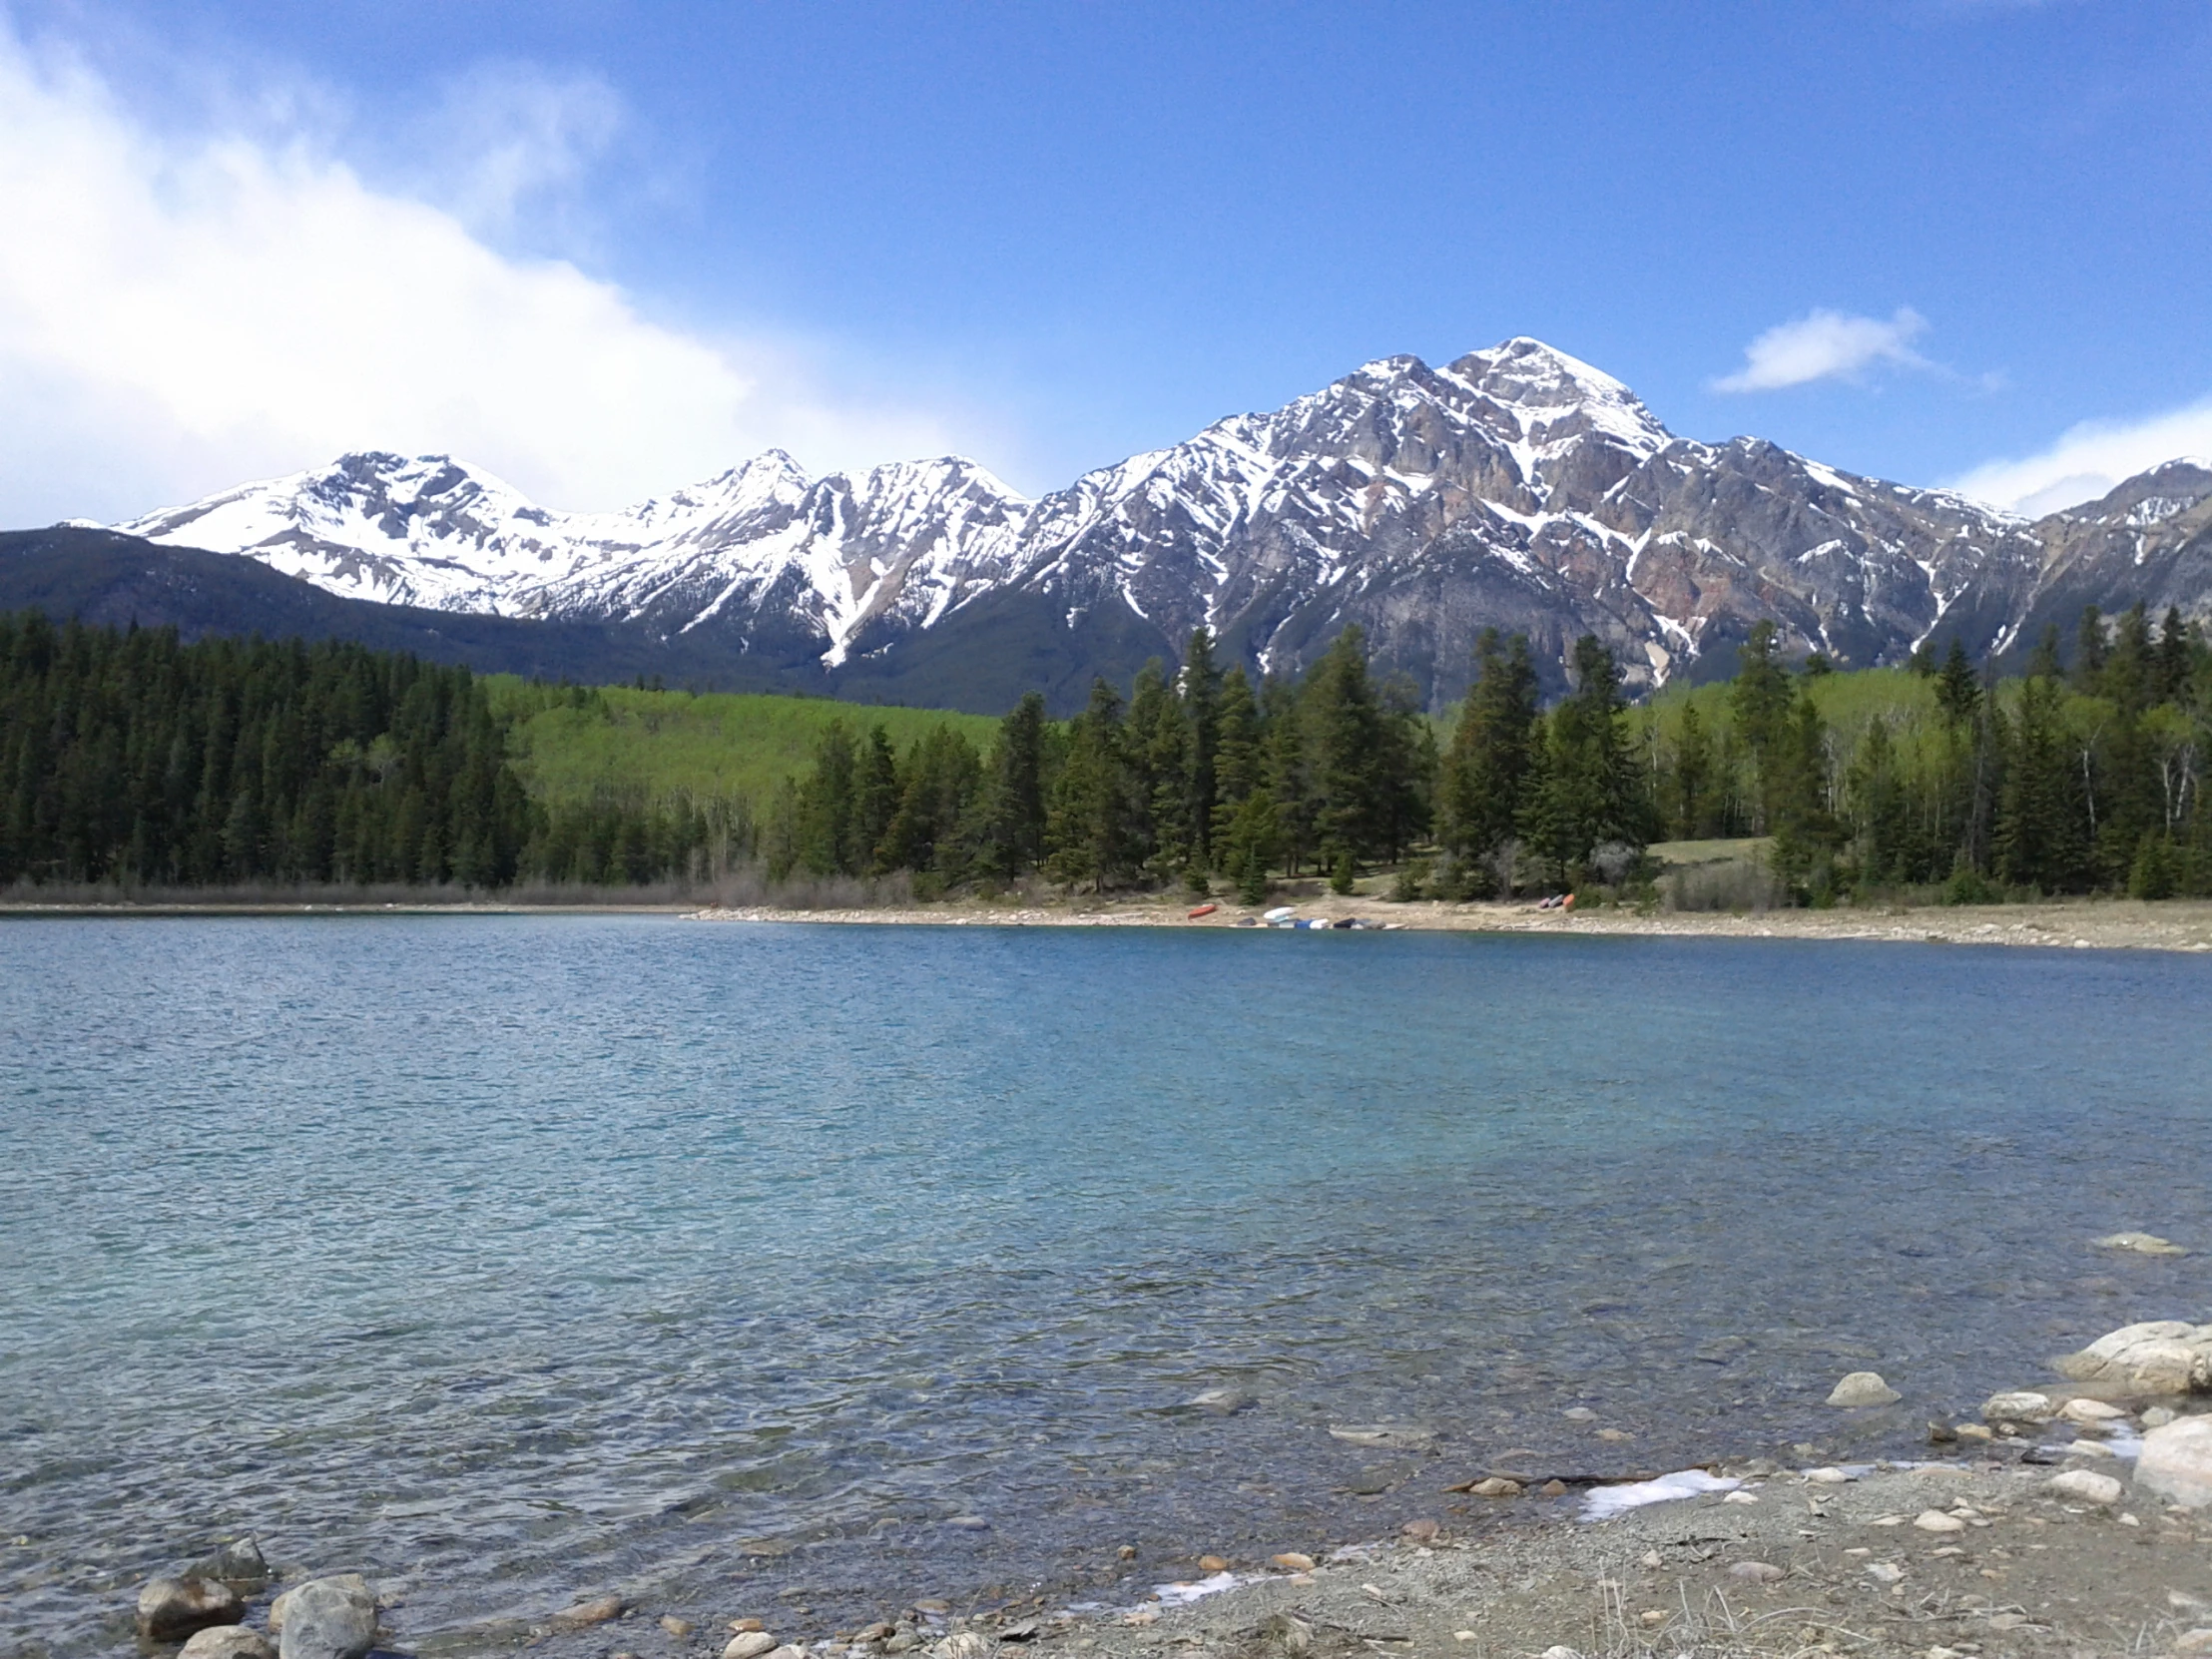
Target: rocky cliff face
[(1514, 487)]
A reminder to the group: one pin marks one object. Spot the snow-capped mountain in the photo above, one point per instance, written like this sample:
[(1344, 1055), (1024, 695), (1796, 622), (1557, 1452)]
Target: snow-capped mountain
[(1516, 487)]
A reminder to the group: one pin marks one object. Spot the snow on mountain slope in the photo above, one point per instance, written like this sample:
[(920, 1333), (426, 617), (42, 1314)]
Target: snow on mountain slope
[(1515, 487)]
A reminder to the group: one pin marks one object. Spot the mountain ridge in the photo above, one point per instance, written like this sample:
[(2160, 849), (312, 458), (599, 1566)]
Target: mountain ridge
[(1516, 486)]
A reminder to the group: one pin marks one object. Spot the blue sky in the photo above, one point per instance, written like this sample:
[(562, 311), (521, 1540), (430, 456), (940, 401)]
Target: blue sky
[(606, 250)]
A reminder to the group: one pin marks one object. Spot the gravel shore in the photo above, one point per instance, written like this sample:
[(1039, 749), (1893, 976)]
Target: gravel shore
[(2103, 924)]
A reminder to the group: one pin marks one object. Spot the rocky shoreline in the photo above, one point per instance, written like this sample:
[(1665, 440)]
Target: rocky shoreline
[(2074, 1519), (2081, 925)]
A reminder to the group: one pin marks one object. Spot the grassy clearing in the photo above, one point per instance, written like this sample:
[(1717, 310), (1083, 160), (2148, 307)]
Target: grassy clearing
[(570, 746)]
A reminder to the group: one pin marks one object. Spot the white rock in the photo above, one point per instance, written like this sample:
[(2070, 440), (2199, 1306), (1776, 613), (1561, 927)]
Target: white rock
[(1934, 1520), (2087, 1485), (1888, 1572), (964, 1644), (2176, 1462), (2159, 1357), (2019, 1406), (1827, 1477), (749, 1644), (2143, 1244), (1758, 1573), (1862, 1388), (2159, 1415), (352, 1583)]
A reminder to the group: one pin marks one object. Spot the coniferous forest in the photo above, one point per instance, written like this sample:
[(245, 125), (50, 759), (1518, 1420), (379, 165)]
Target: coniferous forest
[(132, 760)]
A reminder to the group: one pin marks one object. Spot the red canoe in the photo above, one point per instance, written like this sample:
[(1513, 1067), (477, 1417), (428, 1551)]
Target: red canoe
[(1203, 911)]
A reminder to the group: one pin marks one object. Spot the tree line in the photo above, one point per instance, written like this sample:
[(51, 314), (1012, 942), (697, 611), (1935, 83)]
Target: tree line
[(129, 758), (2076, 777)]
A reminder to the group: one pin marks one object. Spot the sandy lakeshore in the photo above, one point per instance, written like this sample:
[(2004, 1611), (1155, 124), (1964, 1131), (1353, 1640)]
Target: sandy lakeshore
[(2104, 924)]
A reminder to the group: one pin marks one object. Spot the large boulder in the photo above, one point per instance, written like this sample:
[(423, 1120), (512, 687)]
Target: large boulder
[(169, 1610), (228, 1641), (328, 1618), (2176, 1462), (2159, 1357)]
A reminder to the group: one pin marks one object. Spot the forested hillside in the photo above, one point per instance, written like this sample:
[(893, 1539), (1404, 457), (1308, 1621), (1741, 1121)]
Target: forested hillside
[(129, 758)]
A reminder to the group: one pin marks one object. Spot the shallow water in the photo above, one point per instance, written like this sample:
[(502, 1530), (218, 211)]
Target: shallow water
[(510, 1258)]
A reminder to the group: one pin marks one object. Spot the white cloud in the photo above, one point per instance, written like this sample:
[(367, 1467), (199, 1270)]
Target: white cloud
[(1826, 345), (180, 312), (2090, 459)]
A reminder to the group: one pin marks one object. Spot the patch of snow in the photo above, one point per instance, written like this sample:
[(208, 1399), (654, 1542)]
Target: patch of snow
[(1604, 1502)]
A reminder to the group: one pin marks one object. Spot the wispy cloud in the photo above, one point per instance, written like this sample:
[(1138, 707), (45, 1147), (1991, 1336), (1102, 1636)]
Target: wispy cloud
[(1826, 345), (180, 309), (2089, 459)]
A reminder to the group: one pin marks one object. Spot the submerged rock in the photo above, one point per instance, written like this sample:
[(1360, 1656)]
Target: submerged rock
[(328, 1618), (238, 1562), (1864, 1388), (227, 1641), (1218, 1403), (2158, 1357), (2142, 1244), (2176, 1462), (169, 1610), (1382, 1433), (749, 1644)]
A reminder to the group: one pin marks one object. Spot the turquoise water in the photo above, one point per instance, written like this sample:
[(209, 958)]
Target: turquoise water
[(510, 1258)]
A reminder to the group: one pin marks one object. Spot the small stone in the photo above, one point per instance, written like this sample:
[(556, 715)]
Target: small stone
[(1497, 1486), (1143, 1615), (969, 1523), (1941, 1433), (2020, 1406), (1740, 1497), (964, 1644), (227, 1641), (1884, 1572), (1292, 1561), (2176, 1462), (1422, 1531), (1553, 1488), (940, 1606), (1614, 1434), (676, 1627), (598, 1610), (1127, 1552), (1212, 1564), (906, 1641), (1830, 1477), (1757, 1572), (1382, 1433), (1862, 1388), (2142, 1244), (1653, 1559), (749, 1644), (2159, 1415), (1579, 1414), (1466, 1635), (2086, 1484), (788, 1651), (169, 1610), (1934, 1520), (1559, 1653), (741, 1625), (328, 1618)]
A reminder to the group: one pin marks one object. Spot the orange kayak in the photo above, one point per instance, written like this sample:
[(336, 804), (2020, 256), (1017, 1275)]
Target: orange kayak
[(1203, 911)]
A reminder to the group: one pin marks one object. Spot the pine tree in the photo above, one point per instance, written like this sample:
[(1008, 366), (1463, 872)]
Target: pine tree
[(1201, 685), (1092, 829), (1485, 770)]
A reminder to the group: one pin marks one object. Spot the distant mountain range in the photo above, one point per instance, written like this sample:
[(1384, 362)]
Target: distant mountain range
[(1515, 487)]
